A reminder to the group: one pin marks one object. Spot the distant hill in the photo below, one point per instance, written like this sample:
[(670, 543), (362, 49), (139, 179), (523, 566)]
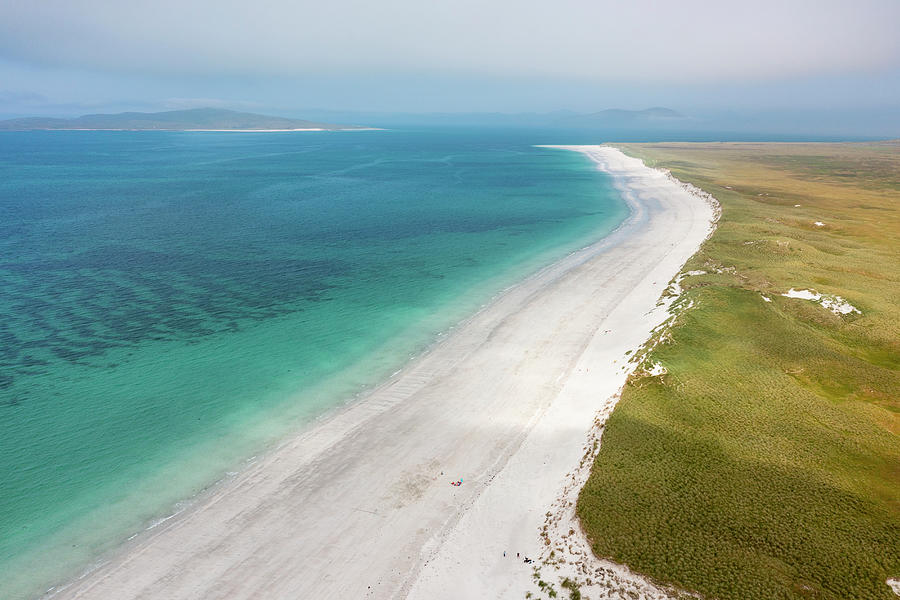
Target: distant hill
[(614, 117), (174, 120)]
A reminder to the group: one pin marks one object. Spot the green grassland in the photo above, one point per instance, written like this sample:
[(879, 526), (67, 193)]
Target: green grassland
[(766, 462)]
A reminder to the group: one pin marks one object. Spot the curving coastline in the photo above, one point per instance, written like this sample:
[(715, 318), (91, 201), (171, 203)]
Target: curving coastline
[(361, 506)]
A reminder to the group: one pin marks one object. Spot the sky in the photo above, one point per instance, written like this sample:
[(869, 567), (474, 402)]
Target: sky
[(69, 57)]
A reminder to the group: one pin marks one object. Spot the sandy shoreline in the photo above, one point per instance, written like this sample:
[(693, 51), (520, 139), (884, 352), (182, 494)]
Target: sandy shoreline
[(360, 506)]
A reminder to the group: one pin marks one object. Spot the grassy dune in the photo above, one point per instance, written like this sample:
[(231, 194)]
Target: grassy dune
[(766, 462)]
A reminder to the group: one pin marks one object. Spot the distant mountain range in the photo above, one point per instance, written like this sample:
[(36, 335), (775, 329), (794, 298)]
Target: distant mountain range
[(209, 119)]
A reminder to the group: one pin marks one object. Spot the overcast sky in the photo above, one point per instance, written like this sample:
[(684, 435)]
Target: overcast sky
[(74, 56)]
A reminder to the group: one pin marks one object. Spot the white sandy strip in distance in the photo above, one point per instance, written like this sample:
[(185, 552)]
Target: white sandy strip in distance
[(221, 130), (360, 505)]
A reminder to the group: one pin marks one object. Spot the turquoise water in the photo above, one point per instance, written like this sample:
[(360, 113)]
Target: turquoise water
[(172, 303)]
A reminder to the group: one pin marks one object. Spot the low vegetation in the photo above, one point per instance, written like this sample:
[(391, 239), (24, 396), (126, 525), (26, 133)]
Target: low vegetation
[(764, 462)]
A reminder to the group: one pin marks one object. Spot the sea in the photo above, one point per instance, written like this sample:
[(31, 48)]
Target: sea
[(173, 304)]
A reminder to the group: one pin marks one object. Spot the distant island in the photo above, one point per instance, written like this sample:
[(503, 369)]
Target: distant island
[(197, 119)]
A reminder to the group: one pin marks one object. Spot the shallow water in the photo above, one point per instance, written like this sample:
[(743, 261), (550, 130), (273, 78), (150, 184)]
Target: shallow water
[(174, 302)]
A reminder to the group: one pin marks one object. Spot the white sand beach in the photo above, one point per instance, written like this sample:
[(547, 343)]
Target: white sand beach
[(360, 505)]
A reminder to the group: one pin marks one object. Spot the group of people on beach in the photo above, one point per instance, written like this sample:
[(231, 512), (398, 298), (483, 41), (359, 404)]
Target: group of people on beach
[(527, 560)]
